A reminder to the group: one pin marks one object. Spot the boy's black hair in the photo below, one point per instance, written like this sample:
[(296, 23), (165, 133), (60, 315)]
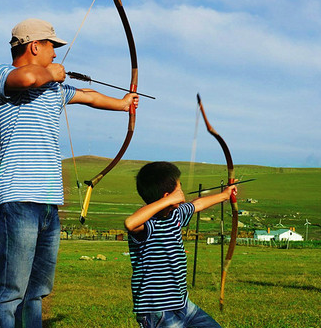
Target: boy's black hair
[(155, 179)]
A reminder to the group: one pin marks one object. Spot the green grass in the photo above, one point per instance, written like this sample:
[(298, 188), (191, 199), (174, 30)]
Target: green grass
[(289, 194), (265, 287)]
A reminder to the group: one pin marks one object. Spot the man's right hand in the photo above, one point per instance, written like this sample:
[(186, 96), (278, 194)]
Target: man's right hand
[(57, 71)]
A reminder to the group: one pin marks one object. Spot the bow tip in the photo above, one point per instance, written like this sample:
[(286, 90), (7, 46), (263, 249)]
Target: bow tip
[(82, 219)]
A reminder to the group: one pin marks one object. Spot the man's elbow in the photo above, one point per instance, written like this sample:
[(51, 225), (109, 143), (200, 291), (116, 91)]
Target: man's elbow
[(29, 80)]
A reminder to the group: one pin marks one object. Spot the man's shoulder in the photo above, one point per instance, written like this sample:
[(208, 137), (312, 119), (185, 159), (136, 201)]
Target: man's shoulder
[(6, 68)]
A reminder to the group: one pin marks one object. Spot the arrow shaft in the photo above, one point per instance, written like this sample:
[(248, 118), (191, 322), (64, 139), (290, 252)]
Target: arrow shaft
[(86, 78), (217, 187)]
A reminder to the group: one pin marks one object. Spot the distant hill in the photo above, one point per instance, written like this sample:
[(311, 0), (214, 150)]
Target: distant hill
[(289, 194)]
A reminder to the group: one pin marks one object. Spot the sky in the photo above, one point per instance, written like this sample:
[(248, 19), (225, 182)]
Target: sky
[(255, 63)]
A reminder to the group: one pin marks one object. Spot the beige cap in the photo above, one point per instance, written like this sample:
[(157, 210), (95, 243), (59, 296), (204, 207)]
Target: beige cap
[(33, 29)]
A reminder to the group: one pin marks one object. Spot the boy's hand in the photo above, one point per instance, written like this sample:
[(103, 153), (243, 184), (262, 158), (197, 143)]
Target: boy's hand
[(135, 222), (176, 197), (229, 190)]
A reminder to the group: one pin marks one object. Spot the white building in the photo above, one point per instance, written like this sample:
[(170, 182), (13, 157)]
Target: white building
[(279, 235), (263, 235), (287, 234)]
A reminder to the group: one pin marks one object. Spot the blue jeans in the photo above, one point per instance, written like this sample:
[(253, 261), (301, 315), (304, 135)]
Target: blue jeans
[(29, 242), (191, 316)]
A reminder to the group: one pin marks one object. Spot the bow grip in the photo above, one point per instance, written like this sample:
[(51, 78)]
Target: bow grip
[(233, 197), (133, 89)]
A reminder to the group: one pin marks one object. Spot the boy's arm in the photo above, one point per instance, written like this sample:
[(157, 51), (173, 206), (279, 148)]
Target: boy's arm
[(205, 202), (95, 99), (135, 222)]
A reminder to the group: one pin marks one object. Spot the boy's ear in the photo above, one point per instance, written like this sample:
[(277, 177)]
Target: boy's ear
[(166, 194)]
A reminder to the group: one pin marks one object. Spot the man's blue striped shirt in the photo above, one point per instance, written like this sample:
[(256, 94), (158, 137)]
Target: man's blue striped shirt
[(30, 161), (159, 263)]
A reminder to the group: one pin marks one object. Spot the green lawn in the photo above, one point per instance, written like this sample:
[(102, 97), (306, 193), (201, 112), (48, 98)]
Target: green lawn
[(265, 287)]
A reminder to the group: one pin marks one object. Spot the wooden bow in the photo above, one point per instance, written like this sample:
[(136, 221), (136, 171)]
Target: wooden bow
[(132, 112), (231, 178)]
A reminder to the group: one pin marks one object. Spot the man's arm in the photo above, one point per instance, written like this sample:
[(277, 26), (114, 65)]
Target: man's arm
[(34, 76), (95, 99)]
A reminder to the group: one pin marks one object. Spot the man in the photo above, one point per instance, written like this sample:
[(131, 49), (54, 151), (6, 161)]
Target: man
[(31, 99)]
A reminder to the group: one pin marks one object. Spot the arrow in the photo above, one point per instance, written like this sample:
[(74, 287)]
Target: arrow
[(86, 78), (217, 187)]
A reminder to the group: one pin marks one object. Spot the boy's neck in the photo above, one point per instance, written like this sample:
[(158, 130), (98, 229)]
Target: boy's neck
[(165, 212)]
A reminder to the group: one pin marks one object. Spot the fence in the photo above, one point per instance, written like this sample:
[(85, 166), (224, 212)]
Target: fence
[(91, 234), (282, 244)]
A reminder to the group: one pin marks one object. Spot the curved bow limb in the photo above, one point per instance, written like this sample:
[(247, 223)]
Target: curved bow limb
[(233, 201), (132, 112)]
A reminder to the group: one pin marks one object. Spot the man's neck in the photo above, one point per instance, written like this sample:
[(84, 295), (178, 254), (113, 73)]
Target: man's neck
[(23, 61)]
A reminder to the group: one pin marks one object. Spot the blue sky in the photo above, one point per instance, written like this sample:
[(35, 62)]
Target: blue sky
[(256, 64)]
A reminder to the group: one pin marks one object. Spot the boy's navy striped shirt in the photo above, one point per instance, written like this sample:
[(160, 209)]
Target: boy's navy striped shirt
[(30, 161), (159, 263)]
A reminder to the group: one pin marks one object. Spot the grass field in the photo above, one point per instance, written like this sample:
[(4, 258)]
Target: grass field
[(265, 287), (287, 194)]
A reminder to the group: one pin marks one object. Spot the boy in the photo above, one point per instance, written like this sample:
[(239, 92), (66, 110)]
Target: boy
[(157, 252)]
